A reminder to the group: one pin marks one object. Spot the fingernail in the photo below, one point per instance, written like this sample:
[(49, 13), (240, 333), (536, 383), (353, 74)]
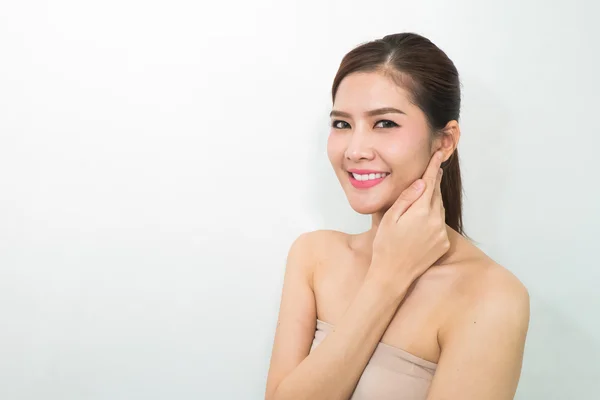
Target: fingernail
[(419, 184), (440, 155)]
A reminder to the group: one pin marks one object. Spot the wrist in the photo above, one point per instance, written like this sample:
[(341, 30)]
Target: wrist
[(394, 287)]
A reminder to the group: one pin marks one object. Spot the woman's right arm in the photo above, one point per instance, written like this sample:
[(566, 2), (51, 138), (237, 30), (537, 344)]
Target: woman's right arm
[(332, 369)]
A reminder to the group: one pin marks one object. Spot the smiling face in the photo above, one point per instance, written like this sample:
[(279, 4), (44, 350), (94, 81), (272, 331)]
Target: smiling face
[(387, 152)]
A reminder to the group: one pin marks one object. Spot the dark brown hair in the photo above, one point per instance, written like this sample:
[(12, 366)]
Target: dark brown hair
[(431, 78)]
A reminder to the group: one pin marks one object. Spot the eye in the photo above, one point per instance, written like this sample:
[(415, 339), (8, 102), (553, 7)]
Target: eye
[(334, 124), (391, 122)]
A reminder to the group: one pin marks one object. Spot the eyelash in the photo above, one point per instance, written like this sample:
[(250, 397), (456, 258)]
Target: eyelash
[(333, 124)]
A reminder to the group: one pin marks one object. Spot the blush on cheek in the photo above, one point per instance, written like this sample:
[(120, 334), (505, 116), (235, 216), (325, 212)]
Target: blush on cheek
[(395, 148), (405, 154), (335, 147)]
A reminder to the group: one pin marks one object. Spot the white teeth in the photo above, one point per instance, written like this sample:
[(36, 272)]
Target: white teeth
[(367, 177)]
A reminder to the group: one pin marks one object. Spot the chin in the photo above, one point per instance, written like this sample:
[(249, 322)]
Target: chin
[(367, 208)]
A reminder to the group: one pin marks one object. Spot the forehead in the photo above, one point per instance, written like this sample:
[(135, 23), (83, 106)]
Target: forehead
[(361, 91)]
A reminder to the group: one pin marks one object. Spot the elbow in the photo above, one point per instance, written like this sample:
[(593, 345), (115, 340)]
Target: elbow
[(279, 392), (271, 392), (270, 395)]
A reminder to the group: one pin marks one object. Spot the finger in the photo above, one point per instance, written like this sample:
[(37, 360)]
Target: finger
[(436, 198), (442, 208), (406, 199), (431, 173), (439, 199), (442, 211)]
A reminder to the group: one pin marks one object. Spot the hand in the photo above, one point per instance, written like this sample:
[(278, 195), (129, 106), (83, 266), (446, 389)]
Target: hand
[(412, 234)]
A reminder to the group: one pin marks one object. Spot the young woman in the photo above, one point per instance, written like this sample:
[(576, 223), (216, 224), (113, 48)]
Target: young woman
[(410, 309)]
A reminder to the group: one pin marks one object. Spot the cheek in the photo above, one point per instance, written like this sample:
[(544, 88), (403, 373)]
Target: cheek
[(395, 150), (335, 148), (401, 149), (405, 154)]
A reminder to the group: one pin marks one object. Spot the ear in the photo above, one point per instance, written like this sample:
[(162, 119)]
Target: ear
[(447, 139)]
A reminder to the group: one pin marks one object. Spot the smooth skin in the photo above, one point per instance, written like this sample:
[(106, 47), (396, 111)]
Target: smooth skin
[(410, 281)]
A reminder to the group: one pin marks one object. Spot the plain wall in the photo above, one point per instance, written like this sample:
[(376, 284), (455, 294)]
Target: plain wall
[(157, 159)]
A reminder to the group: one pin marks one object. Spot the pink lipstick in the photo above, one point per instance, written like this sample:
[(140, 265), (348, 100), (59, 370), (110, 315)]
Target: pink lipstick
[(366, 178)]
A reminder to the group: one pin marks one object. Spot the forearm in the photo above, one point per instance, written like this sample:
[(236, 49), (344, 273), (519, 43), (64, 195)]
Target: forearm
[(332, 370)]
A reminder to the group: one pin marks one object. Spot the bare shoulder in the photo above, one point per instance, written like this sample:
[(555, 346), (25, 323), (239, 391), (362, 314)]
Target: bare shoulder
[(498, 290), (313, 243), (490, 294), (499, 281), (310, 247), (482, 339)]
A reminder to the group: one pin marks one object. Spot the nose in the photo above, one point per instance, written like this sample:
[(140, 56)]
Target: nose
[(359, 148)]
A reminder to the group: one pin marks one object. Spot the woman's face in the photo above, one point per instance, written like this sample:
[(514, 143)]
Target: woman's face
[(376, 157)]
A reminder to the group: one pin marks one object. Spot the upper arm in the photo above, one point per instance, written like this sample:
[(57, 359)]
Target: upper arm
[(297, 313), (482, 350)]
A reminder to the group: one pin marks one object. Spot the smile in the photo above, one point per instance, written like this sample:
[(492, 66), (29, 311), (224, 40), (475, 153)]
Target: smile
[(365, 181)]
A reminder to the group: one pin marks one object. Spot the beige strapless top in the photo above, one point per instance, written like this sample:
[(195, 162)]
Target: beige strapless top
[(391, 373)]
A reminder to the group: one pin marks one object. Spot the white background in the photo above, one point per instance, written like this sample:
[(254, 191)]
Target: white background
[(157, 159)]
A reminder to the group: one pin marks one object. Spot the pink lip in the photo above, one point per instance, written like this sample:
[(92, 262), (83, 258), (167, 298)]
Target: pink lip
[(364, 184), (365, 171)]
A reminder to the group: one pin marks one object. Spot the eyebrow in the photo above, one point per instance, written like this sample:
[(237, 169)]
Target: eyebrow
[(378, 111)]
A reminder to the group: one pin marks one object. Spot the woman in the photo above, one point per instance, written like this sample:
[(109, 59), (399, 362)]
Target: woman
[(410, 309)]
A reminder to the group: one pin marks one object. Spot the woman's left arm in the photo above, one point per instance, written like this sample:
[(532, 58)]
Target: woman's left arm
[(482, 345)]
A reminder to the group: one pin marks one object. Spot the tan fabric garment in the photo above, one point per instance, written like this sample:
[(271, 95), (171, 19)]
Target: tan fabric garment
[(391, 373)]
